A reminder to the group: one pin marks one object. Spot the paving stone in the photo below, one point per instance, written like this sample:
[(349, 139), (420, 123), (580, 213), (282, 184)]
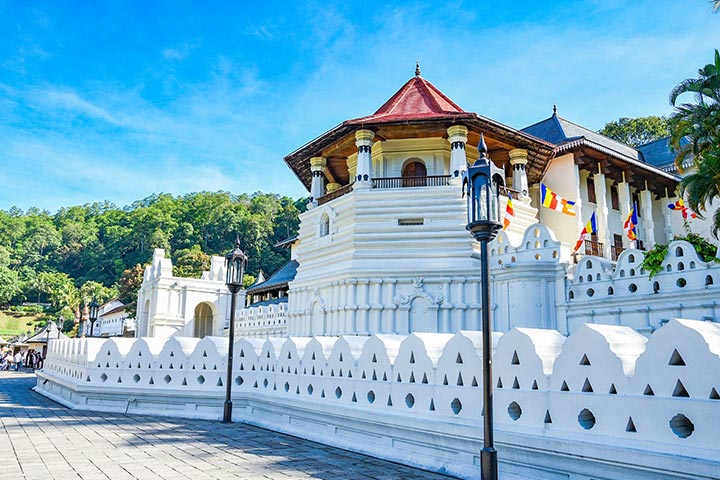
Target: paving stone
[(51, 441)]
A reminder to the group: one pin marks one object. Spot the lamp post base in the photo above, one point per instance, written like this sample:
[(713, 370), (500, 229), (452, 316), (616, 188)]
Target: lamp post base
[(488, 464), (227, 412)]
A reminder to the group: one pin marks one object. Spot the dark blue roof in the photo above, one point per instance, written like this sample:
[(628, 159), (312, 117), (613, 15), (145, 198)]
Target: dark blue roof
[(272, 301), (281, 278), (558, 130), (659, 153)]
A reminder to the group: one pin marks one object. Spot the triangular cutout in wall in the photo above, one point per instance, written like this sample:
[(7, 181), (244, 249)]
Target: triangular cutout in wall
[(585, 360), (680, 390), (630, 427), (548, 419), (676, 359), (515, 359)]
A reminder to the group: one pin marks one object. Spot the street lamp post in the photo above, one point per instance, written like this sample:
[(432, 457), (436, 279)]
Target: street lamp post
[(235, 263), (481, 184), (93, 315)]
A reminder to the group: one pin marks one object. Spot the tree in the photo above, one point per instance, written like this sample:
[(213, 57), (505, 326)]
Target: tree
[(703, 186), (94, 290), (191, 262), (60, 289), (9, 284), (695, 127), (636, 131), (128, 286), (695, 131)]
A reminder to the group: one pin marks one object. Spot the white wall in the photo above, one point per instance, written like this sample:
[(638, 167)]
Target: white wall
[(576, 407)]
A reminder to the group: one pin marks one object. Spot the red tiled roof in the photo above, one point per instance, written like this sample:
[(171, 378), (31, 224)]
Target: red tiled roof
[(418, 99)]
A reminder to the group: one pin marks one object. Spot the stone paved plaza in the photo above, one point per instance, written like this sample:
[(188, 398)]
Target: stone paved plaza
[(40, 439)]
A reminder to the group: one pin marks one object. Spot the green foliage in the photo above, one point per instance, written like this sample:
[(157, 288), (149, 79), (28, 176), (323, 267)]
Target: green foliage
[(9, 284), (654, 258), (84, 250), (695, 131), (191, 262), (636, 131)]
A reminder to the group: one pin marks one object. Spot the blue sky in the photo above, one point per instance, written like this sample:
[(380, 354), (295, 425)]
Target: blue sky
[(118, 100)]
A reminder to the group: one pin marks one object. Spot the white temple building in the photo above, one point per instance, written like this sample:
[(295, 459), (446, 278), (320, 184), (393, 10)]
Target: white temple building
[(370, 336), (383, 246)]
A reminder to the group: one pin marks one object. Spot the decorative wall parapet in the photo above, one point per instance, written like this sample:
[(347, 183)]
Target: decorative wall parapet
[(602, 382)]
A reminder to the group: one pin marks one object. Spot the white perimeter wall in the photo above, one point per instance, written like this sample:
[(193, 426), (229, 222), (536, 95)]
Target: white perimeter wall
[(604, 403)]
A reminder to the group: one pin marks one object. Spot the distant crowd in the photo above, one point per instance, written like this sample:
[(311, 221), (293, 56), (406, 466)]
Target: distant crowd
[(16, 361)]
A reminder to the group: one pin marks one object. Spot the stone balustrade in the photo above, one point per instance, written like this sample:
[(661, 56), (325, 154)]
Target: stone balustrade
[(603, 385)]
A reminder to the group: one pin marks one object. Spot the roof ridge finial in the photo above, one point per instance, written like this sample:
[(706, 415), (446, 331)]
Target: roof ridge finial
[(237, 240), (554, 109), (482, 147), (417, 68)]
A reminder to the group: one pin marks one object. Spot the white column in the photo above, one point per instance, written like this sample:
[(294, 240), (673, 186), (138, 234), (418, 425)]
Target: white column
[(351, 324), (602, 211), (625, 201), (317, 187), (363, 306), (457, 136), (518, 160), (647, 213), (376, 306), (364, 140)]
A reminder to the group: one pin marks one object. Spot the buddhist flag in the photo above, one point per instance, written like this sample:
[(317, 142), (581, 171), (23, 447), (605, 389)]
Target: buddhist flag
[(680, 205), (554, 201), (631, 223), (590, 227), (509, 214)]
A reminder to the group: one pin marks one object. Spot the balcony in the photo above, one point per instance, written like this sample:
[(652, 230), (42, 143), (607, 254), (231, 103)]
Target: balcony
[(333, 195), (593, 248), (402, 182), (391, 182)]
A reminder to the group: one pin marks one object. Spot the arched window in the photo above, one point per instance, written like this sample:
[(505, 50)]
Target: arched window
[(324, 225), (414, 174)]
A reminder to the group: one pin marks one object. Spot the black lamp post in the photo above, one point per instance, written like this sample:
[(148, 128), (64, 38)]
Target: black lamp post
[(235, 263), (482, 184), (93, 314)]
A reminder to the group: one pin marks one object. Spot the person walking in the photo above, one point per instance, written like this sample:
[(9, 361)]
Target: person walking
[(18, 361)]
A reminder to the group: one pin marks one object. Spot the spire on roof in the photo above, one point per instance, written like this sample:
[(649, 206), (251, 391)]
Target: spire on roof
[(417, 68), (554, 109)]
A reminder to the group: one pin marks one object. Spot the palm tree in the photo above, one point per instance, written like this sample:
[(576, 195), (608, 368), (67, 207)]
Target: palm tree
[(695, 133), (703, 186), (715, 5), (698, 123)]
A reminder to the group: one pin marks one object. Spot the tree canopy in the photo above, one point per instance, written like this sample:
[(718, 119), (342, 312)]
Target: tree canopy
[(636, 131), (695, 127), (97, 250)]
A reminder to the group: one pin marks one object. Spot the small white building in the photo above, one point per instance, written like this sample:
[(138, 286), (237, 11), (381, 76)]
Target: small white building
[(114, 320), (189, 307)]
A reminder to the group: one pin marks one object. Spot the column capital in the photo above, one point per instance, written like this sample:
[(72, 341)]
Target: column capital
[(518, 155), (364, 137), (318, 164), (331, 187), (457, 133)]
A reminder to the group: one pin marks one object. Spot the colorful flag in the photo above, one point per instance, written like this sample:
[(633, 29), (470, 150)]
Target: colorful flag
[(631, 223), (509, 214), (590, 227), (554, 201), (680, 205)]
